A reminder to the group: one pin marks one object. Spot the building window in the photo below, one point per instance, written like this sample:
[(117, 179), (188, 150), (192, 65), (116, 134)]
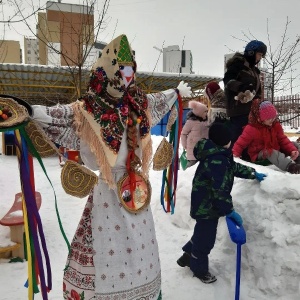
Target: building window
[(183, 58), (29, 52)]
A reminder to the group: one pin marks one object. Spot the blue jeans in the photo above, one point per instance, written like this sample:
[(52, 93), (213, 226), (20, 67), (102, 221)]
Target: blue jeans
[(200, 245)]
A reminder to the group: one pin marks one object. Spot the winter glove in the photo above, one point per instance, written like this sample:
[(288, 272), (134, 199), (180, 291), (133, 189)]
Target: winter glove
[(245, 97), (260, 176), (184, 89), (235, 217)]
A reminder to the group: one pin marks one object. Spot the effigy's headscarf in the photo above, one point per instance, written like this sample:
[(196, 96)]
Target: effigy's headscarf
[(109, 109)]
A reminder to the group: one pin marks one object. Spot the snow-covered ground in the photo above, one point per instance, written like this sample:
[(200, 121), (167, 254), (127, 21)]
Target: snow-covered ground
[(270, 258)]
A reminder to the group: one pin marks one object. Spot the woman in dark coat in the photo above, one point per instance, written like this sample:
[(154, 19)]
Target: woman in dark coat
[(242, 84)]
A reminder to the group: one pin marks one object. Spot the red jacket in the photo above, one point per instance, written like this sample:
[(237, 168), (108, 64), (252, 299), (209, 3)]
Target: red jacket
[(258, 137)]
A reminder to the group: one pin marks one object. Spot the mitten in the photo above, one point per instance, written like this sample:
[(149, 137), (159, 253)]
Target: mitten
[(245, 97), (249, 96), (240, 96), (260, 176), (235, 217), (184, 89)]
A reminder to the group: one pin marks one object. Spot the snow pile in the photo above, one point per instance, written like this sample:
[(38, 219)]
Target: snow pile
[(270, 258)]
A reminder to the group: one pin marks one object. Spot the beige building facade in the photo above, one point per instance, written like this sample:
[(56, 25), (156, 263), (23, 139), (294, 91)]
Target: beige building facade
[(64, 31), (10, 52)]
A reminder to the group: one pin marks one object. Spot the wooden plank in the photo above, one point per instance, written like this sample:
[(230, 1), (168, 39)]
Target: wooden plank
[(291, 134), (9, 248)]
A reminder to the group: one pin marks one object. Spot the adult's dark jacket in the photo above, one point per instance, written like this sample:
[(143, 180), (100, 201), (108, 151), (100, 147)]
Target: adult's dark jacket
[(239, 77), (213, 180)]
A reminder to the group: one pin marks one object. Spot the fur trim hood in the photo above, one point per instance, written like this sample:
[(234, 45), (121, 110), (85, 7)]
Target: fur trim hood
[(236, 58), (239, 58)]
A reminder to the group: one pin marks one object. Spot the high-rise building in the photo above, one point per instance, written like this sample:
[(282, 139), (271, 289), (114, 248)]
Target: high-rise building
[(64, 33), (10, 52), (31, 51), (94, 54), (177, 61)]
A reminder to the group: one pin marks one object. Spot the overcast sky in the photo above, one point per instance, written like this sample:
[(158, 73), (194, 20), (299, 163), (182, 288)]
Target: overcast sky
[(204, 27)]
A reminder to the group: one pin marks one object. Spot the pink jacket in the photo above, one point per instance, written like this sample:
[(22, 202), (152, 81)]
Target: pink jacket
[(192, 132)]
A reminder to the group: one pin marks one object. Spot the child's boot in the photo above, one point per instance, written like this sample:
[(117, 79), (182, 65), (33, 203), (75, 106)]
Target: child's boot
[(207, 278), (184, 260), (293, 168)]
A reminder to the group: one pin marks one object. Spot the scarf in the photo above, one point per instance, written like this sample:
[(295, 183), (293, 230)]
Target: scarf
[(108, 109)]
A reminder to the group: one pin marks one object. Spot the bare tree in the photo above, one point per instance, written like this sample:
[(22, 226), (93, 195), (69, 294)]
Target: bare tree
[(80, 30), (10, 14), (279, 65)]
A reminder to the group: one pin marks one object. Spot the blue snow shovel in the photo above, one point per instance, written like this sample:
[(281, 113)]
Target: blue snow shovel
[(238, 236)]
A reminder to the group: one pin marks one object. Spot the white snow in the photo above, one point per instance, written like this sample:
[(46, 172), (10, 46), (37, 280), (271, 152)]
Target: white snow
[(270, 258)]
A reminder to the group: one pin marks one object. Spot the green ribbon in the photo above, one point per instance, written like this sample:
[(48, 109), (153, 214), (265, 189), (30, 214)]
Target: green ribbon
[(34, 152)]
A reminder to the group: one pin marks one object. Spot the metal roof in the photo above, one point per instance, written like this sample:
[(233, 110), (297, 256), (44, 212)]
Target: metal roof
[(154, 82), (50, 84)]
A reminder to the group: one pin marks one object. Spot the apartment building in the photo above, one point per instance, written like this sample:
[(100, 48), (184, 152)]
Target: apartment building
[(31, 51), (177, 61), (64, 32)]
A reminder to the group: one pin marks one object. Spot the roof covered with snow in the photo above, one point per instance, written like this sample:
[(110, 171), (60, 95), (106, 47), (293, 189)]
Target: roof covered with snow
[(56, 84)]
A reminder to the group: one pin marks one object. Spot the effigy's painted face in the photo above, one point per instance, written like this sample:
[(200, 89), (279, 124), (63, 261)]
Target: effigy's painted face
[(127, 74)]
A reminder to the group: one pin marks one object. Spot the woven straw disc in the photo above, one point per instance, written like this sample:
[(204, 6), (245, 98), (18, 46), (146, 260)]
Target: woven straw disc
[(77, 180), (19, 113), (43, 145), (172, 118), (163, 156)]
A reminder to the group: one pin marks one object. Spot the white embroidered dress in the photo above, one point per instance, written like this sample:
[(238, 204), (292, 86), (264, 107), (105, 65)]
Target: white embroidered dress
[(114, 253)]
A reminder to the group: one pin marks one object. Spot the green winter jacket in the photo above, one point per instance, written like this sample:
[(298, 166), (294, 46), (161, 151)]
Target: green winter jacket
[(213, 180)]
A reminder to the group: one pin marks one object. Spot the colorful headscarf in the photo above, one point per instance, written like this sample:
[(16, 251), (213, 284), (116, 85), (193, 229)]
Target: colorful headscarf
[(108, 108), (268, 134)]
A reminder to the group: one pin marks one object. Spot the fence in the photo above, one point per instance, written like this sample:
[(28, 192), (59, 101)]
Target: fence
[(161, 127), (288, 108)]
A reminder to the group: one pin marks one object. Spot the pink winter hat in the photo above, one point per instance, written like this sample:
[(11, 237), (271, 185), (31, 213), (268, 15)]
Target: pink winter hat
[(198, 108), (267, 111)]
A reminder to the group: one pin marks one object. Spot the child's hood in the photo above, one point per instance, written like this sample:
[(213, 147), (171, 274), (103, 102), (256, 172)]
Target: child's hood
[(205, 148)]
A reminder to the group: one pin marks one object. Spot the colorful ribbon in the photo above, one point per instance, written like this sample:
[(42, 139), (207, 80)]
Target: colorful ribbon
[(170, 175), (36, 249), (34, 230)]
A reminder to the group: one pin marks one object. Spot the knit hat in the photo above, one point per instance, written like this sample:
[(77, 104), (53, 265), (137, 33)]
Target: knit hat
[(255, 46), (198, 108), (219, 133), (267, 111), (211, 88)]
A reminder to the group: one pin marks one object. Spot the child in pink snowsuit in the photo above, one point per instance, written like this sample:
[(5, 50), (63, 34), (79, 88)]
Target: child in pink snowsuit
[(195, 129)]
